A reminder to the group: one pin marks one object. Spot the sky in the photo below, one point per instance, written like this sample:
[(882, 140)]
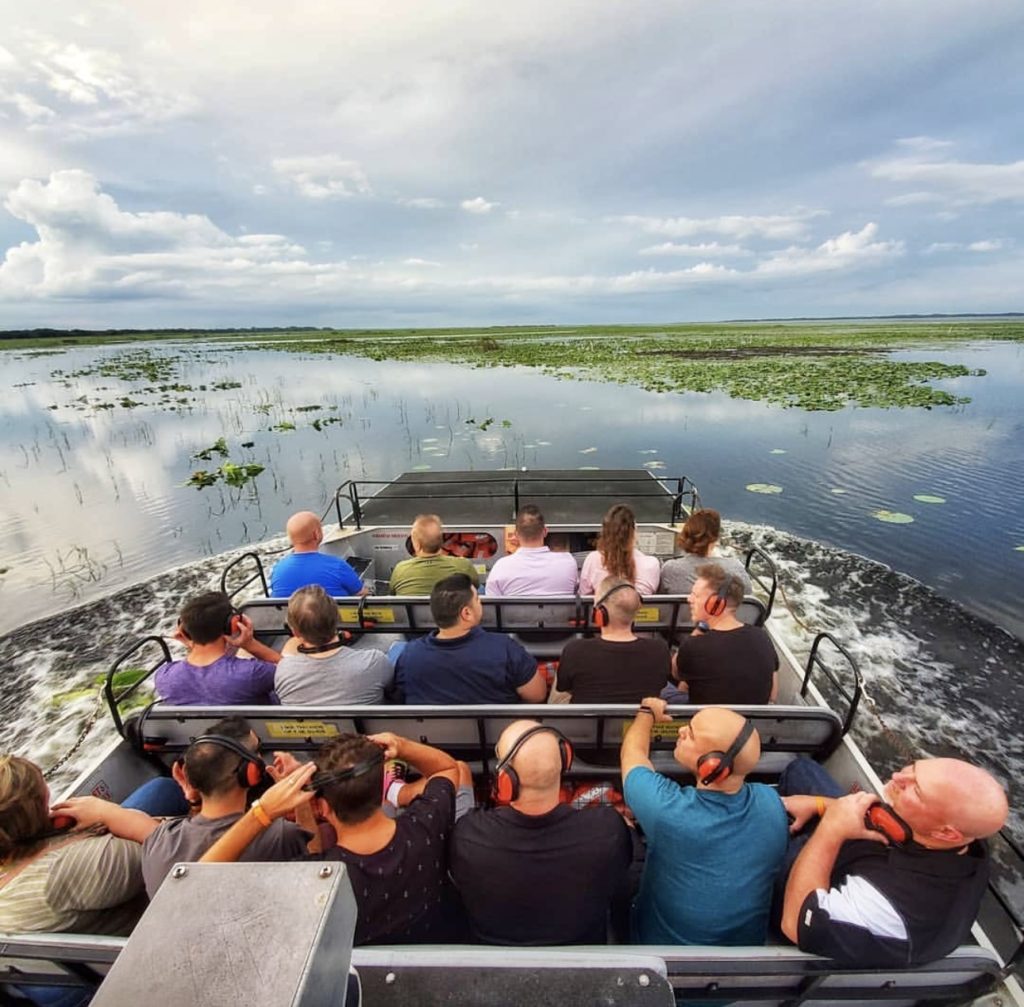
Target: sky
[(438, 162)]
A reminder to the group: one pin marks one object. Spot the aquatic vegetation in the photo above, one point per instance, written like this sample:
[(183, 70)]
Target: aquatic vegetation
[(777, 451), (284, 425), (893, 517), (201, 479), (239, 475), (766, 488), (929, 498), (219, 446)]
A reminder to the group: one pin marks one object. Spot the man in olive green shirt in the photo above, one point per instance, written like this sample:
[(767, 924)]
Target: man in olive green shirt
[(418, 575)]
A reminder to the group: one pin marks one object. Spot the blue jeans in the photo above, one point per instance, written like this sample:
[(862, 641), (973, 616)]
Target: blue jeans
[(160, 797), (805, 776)]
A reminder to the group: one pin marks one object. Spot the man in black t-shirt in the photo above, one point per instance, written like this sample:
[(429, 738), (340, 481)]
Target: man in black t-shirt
[(538, 872), (724, 661), (905, 900), (619, 666)]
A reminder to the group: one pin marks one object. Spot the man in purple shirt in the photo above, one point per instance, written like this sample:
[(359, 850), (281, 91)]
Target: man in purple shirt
[(533, 568), (212, 674)]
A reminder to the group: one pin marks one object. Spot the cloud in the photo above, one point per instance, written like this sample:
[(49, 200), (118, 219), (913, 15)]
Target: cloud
[(943, 246), (32, 111), (326, 176), (702, 249), (938, 178), (421, 203), (478, 205), (851, 249), (420, 262), (777, 226)]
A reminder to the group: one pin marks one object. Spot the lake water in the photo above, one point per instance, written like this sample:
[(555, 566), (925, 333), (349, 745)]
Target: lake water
[(93, 499)]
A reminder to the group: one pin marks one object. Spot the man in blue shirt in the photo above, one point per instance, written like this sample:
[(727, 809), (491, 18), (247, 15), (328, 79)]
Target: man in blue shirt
[(307, 565), (713, 850), (461, 663)]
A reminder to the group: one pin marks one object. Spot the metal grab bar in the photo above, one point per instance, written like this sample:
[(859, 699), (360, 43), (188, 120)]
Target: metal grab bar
[(814, 660), (114, 702), (761, 554), (259, 574)]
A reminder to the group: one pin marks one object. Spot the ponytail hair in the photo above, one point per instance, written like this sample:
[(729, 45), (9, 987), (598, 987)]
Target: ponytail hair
[(700, 532), (24, 816), (615, 543)]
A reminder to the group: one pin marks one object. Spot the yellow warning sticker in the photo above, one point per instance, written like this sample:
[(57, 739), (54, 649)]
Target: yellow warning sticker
[(350, 616), (649, 613), (300, 729), (660, 731)]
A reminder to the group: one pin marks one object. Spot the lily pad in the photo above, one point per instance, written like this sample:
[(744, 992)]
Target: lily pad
[(764, 488), (1018, 548), (421, 468), (587, 451), (929, 498), (893, 517), (590, 468), (838, 492), (202, 478), (654, 465), (777, 451)]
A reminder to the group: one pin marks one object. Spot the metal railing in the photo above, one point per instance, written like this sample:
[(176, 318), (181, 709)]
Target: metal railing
[(814, 660), (114, 701), (258, 575), (771, 588)]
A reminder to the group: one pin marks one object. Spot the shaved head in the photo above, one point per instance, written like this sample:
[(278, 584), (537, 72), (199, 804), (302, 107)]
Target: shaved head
[(427, 533), (304, 531), (539, 762), (715, 729)]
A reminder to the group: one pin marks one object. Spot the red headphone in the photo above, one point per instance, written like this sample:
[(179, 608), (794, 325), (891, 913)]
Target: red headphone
[(601, 616), (880, 817), (506, 779), (717, 766), (251, 771), (715, 603)]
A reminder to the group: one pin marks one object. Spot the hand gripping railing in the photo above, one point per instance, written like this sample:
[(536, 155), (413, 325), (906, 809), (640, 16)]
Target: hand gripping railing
[(759, 579), (815, 660), (114, 702), (258, 575)]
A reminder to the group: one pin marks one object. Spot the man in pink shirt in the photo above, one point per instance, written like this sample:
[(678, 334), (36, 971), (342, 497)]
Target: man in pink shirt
[(533, 568)]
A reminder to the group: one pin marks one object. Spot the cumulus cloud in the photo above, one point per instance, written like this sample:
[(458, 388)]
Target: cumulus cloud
[(851, 249), (986, 245), (776, 226), (478, 205), (421, 203), (420, 262), (326, 176), (702, 249), (937, 177), (31, 110)]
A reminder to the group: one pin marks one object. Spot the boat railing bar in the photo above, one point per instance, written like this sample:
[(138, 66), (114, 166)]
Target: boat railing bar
[(259, 575), (758, 579), (814, 660), (114, 702)]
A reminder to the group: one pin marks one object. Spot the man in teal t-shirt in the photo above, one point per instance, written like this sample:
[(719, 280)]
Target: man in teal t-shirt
[(713, 850)]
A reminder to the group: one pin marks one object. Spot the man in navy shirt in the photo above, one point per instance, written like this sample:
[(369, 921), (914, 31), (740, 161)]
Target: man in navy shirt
[(307, 565), (461, 663)]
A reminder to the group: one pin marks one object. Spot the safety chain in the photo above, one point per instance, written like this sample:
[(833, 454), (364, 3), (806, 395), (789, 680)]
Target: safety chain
[(89, 724)]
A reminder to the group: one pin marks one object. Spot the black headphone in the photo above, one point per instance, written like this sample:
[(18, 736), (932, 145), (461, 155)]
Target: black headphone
[(712, 766), (506, 779), (715, 603), (601, 616), (319, 780), (251, 771)]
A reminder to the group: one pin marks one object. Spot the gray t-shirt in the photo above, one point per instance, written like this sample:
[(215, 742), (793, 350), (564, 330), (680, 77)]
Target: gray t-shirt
[(680, 574), (345, 677), (185, 840)]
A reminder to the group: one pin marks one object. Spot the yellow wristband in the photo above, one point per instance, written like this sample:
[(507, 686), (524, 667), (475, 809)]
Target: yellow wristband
[(260, 814), (821, 806)]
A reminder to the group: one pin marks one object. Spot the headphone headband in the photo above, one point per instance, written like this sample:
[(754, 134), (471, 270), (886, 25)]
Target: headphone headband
[(251, 771), (612, 590), (507, 758), (319, 780), (724, 760)]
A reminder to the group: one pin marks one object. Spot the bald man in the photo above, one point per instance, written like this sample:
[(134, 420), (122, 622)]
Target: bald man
[(868, 901), (535, 871), (714, 849), (307, 565), (417, 576)]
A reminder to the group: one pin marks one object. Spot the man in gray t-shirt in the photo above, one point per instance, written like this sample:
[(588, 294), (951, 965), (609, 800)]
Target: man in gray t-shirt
[(216, 774)]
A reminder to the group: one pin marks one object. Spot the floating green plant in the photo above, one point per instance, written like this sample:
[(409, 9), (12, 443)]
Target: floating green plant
[(893, 517), (837, 491), (239, 475), (201, 479), (929, 498), (777, 451), (219, 447), (768, 488), (283, 425)]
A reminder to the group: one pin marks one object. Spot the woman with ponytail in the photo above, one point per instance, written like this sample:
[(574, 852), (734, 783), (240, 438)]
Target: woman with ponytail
[(617, 555), (698, 539)]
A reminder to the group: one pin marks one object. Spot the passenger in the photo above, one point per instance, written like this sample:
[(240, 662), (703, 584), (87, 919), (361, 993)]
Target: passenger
[(459, 662), (724, 660), (868, 902), (316, 667), (419, 574), (536, 871), (53, 880), (307, 565), (533, 568), (714, 849), (398, 866), (618, 556), (213, 674), (698, 540), (618, 666), (217, 771)]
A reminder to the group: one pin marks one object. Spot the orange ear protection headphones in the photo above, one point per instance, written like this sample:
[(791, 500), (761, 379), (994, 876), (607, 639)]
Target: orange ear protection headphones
[(251, 771), (506, 779), (716, 766), (880, 817), (715, 603), (601, 616), (319, 780)]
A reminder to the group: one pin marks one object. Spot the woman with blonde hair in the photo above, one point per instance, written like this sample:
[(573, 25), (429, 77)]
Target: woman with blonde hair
[(617, 555), (698, 539), (54, 880)]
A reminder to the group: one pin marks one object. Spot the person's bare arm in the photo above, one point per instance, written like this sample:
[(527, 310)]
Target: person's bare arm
[(126, 823), (426, 759), (844, 819), (244, 640), (774, 694), (534, 691), (636, 745)]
